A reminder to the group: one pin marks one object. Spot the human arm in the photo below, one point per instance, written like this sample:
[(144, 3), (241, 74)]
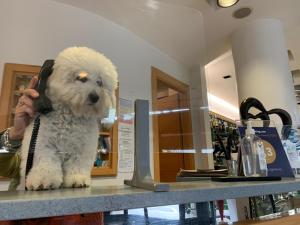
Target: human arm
[(24, 111), (11, 138)]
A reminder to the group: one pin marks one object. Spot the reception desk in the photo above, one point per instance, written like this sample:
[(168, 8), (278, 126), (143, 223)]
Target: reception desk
[(27, 204)]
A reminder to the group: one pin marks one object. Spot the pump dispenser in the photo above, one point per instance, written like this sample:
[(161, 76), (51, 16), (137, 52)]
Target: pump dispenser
[(253, 154)]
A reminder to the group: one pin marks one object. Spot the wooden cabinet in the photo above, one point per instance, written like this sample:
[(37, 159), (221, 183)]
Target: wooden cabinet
[(16, 77), (111, 157)]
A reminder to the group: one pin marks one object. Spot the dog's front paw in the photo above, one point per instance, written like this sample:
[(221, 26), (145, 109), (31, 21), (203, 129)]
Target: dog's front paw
[(76, 181), (43, 179)]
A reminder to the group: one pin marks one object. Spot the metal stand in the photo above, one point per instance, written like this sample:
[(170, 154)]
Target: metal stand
[(142, 175)]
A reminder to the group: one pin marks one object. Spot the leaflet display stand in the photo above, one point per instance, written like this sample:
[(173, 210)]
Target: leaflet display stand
[(142, 176)]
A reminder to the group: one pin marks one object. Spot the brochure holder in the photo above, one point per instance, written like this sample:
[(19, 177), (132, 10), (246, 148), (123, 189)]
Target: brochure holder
[(142, 176)]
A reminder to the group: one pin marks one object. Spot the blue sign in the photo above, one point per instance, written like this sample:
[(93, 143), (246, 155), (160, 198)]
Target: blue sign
[(277, 161)]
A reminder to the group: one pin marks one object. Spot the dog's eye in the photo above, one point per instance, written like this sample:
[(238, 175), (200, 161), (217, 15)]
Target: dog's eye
[(100, 83), (82, 79)]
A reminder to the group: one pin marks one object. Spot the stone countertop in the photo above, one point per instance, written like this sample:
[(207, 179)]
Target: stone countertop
[(22, 204)]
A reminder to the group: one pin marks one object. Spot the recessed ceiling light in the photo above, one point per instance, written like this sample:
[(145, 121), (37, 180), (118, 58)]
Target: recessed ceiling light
[(226, 3), (242, 13), (227, 76)]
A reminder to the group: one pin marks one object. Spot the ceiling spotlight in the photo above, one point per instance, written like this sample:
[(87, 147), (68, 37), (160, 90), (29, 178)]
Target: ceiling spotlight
[(226, 3), (242, 13)]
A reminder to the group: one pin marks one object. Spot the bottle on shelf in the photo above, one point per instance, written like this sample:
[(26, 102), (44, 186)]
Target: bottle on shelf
[(253, 154)]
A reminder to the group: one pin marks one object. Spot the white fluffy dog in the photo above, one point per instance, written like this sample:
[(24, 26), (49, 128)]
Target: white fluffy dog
[(82, 89)]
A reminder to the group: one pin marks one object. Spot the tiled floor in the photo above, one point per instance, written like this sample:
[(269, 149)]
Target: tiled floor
[(141, 220), (164, 215)]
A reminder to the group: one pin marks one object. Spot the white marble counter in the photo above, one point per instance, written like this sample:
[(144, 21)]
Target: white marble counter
[(19, 205)]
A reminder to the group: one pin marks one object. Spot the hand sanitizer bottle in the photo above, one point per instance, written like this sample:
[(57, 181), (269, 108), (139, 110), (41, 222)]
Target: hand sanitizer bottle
[(253, 154)]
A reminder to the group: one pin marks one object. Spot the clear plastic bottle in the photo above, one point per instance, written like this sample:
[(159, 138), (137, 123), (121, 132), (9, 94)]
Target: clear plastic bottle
[(253, 154)]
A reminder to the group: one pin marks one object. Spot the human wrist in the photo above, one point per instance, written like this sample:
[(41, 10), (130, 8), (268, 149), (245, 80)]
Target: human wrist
[(14, 135), (10, 145)]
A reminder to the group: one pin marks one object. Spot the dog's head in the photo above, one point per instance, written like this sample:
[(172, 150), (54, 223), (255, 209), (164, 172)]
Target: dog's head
[(83, 80)]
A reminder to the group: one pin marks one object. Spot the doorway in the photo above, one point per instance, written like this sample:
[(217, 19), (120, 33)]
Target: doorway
[(172, 127)]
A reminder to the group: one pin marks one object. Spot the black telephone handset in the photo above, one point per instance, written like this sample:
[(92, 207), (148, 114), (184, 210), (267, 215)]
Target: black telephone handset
[(43, 104)]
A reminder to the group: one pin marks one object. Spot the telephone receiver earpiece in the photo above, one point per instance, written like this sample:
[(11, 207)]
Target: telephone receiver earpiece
[(43, 104)]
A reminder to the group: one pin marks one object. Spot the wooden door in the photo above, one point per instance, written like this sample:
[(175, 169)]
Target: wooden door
[(173, 129), (174, 132), (186, 131), (169, 139)]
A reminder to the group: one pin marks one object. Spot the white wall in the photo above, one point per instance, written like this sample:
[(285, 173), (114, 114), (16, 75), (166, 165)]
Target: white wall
[(222, 96), (34, 30)]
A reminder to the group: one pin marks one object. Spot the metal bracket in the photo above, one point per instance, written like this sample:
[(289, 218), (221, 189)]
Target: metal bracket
[(142, 176)]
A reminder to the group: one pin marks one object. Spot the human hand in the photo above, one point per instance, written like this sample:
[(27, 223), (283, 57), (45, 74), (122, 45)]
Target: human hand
[(24, 112)]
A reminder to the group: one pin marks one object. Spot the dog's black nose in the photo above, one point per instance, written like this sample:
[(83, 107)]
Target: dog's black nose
[(93, 97)]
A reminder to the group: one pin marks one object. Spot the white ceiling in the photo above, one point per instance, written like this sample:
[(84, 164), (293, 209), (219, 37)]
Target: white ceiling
[(219, 24), (176, 26), (218, 40), (191, 31), (173, 26)]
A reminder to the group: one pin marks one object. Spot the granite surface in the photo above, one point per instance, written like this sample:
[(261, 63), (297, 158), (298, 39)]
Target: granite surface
[(22, 204)]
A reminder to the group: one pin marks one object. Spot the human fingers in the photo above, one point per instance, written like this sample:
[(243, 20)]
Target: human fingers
[(33, 82), (24, 100), (30, 93), (24, 109)]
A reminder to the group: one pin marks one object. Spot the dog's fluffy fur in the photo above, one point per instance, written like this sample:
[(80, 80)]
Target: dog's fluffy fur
[(67, 140)]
